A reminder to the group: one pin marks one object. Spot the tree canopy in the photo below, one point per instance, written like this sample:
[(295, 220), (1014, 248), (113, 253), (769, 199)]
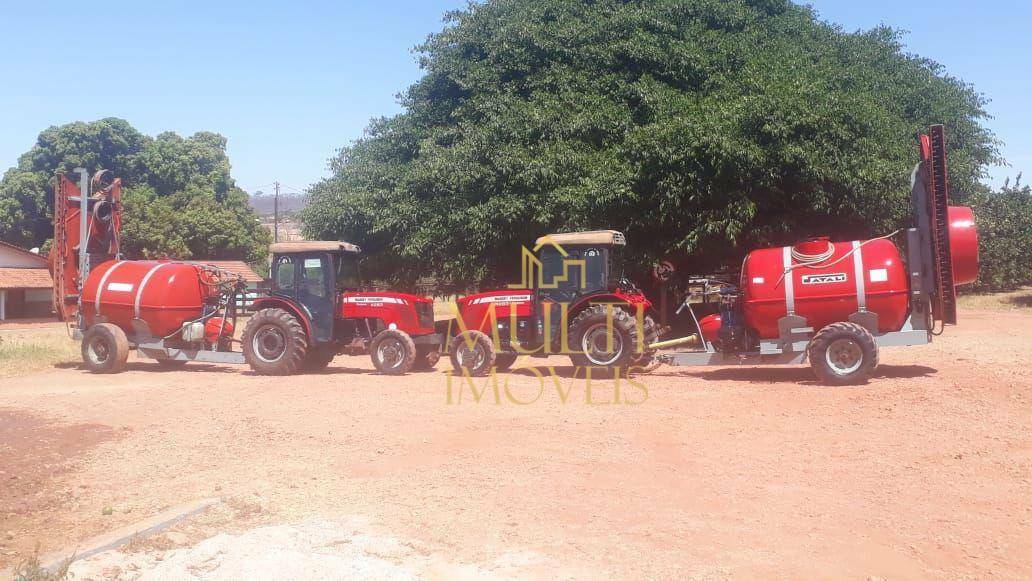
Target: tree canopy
[(180, 200), (1004, 220), (701, 128)]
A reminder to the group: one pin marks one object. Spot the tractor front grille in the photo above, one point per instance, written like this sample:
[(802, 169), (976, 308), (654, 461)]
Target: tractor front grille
[(425, 314)]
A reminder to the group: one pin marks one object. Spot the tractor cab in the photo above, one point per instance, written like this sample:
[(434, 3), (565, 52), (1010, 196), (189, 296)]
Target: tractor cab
[(576, 264), (313, 275), (316, 310)]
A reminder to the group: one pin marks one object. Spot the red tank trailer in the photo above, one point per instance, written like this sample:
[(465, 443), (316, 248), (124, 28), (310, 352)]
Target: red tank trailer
[(836, 303), (174, 312)]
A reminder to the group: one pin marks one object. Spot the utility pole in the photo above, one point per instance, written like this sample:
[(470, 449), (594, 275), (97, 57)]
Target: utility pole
[(275, 214)]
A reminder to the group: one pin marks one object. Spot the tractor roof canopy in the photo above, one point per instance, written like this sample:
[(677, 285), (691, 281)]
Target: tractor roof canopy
[(313, 246), (601, 237)]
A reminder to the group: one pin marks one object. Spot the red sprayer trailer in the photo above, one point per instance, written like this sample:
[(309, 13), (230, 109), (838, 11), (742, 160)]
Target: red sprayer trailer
[(171, 311), (177, 312), (836, 303)]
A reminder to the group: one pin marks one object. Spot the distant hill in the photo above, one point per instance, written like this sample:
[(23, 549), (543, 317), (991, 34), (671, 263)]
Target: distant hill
[(288, 204)]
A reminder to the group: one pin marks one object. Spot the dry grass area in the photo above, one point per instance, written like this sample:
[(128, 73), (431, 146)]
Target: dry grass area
[(1015, 300), (26, 349)]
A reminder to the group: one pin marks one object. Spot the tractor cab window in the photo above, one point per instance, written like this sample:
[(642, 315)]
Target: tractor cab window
[(582, 270), (348, 277), (283, 274), (596, 268), (314, 277)]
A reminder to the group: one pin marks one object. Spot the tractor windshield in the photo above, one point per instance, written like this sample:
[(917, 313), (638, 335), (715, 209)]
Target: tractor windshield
[(348, 277)]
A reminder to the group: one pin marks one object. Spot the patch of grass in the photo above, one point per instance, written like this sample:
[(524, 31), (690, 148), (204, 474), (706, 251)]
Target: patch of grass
[(28, 350), (1015, 300), (30, 569)]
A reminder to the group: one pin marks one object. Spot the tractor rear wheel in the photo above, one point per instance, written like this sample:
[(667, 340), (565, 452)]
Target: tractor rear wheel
[(473, 352), (393, 352), (843, 354), (646, 360), (275, 343), (105, 348), (595, 341), (505, 359), (427, 358), (319, 358)]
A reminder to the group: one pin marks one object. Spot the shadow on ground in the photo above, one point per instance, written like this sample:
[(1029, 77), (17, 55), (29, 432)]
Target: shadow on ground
[(801, 375)]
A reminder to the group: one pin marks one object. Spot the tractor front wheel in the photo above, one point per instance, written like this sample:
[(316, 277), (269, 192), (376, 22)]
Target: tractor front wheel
[(393, 352), (275, 343), (843, 354), (473, 352), (105, 348)]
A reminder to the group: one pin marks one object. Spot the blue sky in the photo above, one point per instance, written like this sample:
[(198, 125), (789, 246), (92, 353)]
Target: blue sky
[(290, 83)]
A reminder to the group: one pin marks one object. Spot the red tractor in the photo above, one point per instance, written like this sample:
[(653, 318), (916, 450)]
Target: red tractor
[(578, 304), (315, 311)]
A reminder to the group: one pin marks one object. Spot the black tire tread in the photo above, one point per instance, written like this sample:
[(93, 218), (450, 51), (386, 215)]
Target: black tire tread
[(822, 340), (505, 359), (297, 349), (407, 343), (484, 341), (118, 345), (622, 321)]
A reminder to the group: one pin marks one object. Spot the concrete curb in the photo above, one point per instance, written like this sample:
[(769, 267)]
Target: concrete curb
[(121, 536)]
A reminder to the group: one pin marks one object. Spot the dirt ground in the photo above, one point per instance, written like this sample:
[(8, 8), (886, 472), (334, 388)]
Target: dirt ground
[(696, 472)]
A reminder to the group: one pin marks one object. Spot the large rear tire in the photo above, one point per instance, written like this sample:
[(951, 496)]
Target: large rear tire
[(318, 359), (275, 343), (427, 358), (590, 338), (473, 352), (843, 354), (646, 361), (105, 349), (504, 360), (393, 352)]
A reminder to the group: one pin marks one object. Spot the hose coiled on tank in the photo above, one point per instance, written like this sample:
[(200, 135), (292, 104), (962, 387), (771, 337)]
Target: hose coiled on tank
[(815, 260)]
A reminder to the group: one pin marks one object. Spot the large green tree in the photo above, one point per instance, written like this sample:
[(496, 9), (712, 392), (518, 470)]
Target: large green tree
[(180, 200), (701, 128)]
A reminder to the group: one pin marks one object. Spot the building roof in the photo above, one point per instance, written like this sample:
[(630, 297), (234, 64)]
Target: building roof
[(23, 258), (592, 237), (313, 246), (237, 267), (13, 278)]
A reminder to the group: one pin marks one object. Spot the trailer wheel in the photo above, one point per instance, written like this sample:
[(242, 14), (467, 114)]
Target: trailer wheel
[(426, 359), (505, 359), (472, 351), (843, 354), (105, 349), (393, 352), (319, 358), (590, 338), (275, 343)]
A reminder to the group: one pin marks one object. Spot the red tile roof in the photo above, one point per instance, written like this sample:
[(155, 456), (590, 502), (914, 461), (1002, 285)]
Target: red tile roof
[(237, 267), (11, 278)]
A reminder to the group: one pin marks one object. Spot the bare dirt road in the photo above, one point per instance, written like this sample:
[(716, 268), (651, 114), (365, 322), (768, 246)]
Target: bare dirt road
[(711, 473)]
